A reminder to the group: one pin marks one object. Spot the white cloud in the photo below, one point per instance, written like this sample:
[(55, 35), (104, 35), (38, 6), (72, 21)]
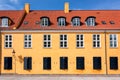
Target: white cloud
[(9, 4), (14, 1), (6, 7)]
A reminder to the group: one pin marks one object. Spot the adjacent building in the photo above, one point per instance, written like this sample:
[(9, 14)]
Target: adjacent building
[(59, 41)]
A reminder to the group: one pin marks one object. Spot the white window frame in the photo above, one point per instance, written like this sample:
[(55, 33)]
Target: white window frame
[(4, 22), (63, 41), (8, 41), (47, 41), (28, 41), (113, 40), (76, 21), (44, 22), (90, 22), (80, 40), (96, 41), (61, 21)]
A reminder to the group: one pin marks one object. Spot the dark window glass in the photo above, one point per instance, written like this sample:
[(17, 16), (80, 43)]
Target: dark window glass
[(80, 62), (47, 63), (7, 63), (27, 63), (96, 62), (63, 63), (113, 63)]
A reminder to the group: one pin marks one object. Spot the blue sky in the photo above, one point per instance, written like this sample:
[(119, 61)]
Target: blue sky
[(59, 4)]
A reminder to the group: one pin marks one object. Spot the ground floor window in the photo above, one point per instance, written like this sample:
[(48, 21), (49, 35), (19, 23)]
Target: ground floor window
[(46, 63), (63, 62), (79, 62), (7, 63), (27, 63), (96, 62), (113, 62)]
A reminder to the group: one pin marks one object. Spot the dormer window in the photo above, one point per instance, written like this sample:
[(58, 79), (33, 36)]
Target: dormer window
[(76, 21), (4, 22), (44, 21), (90, 21), (61, 21)]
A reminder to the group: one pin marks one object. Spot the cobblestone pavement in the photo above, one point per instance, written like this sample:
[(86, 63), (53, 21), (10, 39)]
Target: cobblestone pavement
[(59, 77)]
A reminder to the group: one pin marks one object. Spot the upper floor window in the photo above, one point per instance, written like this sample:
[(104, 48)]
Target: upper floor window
[(44, 21), (76, 21), (8, 41), (61, 21), (63, 41), (96, 40), (113, 40), (27, 41), (4, 22), (90, 21), (79, 41), (47, 41)]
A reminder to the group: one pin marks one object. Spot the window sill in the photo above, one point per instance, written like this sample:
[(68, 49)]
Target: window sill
[(27, 48), (96, 47), (113, 47), (63, 47), (80, 47), (8, 48), (47, 47)]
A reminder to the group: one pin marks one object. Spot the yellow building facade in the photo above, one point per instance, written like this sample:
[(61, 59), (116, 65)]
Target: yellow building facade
[(66, 52)]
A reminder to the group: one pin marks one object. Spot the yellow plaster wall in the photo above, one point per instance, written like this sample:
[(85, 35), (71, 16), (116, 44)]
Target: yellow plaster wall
[(37, 52)]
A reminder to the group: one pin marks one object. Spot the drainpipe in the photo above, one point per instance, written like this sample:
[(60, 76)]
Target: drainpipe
[(106, 53)]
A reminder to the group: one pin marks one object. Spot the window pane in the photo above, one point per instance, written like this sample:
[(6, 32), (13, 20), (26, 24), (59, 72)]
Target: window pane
[(46, 63), (27, 63), (7, 62), (80, 63), (63, 63), (113, 62), (96, 62)]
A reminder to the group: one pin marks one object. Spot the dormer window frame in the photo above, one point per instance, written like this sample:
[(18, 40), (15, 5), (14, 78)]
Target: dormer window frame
[(75, 21), (90, 21), (4, 22), (61, 21), (44, 21)]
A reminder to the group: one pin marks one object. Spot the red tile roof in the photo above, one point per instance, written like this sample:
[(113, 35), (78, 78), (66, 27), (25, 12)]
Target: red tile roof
[(33, 16), (14, 15)]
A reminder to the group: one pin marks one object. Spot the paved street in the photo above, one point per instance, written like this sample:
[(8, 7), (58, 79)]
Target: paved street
[(60, 77)]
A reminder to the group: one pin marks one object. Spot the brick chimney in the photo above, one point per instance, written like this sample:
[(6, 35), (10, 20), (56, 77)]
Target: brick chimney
[(66, 7), (27, 8)]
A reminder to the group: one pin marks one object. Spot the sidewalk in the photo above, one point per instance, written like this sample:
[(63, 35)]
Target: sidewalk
[(59, 77)]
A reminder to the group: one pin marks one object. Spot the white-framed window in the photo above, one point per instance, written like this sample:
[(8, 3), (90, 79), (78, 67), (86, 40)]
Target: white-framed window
[(96, 40), (90, 21), (8, 41), (44, 22), (27, 41), (79, 41), (47, 41), (113, 40), (63, 41), (4, 22), (61, 22), (76, 21)]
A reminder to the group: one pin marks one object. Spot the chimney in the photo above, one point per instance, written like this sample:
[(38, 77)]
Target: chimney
[(27, 8), (66, 7)]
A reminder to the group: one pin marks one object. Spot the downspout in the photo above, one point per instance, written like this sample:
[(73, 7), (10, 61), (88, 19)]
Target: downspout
[(106, 53)]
